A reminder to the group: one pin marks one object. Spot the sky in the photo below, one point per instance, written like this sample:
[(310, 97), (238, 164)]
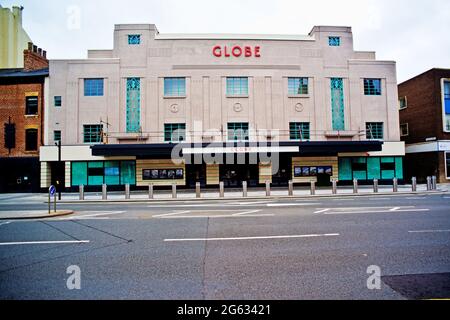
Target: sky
[(416, 34)]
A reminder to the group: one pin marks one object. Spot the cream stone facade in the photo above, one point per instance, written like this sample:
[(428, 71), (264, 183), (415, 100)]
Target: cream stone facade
[(336, 110)]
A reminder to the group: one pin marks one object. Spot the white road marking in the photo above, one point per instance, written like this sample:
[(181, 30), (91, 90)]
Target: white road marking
[(322, 211), (256, 238), (383, 199), (376, 211), (220, 216), (395, 209), (169, 214), (246, 212), (248, 203), (415, 198), (42, 242), (5, 223), (429, 231), (352, 199), (291, 204), (103, 213)]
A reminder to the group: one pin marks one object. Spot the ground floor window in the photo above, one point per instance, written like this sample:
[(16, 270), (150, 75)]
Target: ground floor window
[(447, 164), (96, 173), (369, 168)]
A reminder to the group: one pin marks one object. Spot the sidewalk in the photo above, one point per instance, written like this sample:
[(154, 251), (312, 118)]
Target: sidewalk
[(32, 214)]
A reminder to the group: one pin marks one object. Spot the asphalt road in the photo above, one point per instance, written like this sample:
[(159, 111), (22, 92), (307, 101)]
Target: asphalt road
[(249, 249)]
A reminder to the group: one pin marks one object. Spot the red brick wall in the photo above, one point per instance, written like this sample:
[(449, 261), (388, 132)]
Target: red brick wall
[(12, 104), (34, 61), (424, 111)]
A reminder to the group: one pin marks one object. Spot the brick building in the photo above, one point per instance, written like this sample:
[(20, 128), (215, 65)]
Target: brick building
[(425, 124), (21, 113)]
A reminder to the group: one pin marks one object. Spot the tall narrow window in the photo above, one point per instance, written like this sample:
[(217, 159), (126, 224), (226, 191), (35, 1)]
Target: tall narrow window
[(374, 130), (133, 105), (174, 132), (92, 133), (404, 130), (57, 135), (31, 106), (10, 135), (31, 140), (403, 103), (238, 131), (237, 86), (447, 106), (174, 87), (58, 101), (337, 104), (372, 87), (299, 131), (297, 86)]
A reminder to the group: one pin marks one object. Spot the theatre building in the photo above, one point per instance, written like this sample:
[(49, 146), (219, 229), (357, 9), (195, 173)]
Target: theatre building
[(232, 108)]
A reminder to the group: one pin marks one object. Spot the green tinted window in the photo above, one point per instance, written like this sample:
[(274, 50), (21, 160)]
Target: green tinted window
[(345, 169), (399, 167), (112, 173), (360, 175), (128, 172), (79, 173), (373, 168)]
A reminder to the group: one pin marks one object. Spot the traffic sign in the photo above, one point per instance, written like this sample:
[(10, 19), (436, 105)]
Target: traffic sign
[(52, 190)]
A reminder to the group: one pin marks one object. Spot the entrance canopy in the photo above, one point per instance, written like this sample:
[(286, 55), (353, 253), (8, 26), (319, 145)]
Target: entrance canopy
[(164, 151)]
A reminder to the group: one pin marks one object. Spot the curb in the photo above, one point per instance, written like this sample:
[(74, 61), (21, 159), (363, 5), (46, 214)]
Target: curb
[(59, 213), (99, 201)]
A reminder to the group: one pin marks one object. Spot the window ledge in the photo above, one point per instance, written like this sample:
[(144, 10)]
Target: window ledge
[(341, 133), (174, 97), (242, 96), (31, 116), (299, 96)]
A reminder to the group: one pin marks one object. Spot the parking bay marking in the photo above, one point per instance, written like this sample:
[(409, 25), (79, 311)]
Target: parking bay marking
[(429, 231), (255, 238), (43, 242), (241, 214), (357, 210)]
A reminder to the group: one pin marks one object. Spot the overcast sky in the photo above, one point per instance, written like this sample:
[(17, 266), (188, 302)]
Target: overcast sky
[(414, 33)]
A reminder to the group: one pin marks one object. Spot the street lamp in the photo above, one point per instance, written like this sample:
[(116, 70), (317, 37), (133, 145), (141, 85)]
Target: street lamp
[(59, 177)]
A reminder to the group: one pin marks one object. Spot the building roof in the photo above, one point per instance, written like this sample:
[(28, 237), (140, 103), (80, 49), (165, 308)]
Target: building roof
[(425, 73), (20, 73)]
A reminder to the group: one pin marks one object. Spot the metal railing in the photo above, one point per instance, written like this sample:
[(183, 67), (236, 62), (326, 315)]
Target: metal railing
[(431, 185)]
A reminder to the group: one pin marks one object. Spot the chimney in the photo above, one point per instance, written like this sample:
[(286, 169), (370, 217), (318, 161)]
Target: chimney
[(34, 58), (17, 12)]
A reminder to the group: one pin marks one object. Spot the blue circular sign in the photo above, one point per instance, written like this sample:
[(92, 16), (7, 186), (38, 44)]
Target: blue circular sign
[(52, 190)]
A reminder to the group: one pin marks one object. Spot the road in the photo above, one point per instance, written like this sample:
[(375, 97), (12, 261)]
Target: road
[(249, 249)]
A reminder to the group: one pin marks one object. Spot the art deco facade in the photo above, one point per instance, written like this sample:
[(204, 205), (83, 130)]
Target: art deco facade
[(324, 110)]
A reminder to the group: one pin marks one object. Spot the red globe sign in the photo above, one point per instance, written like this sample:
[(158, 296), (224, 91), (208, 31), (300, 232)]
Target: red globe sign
[(237, 51)]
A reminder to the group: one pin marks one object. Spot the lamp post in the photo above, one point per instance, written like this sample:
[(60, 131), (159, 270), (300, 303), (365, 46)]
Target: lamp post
[(59, 177)]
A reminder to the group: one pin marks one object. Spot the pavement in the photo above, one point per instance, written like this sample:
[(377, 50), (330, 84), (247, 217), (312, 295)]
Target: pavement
[(373, 247), (33, 214), (213, 194)]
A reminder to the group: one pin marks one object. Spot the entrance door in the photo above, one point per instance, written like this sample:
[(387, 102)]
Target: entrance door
[(233, 175), (194, 174)]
